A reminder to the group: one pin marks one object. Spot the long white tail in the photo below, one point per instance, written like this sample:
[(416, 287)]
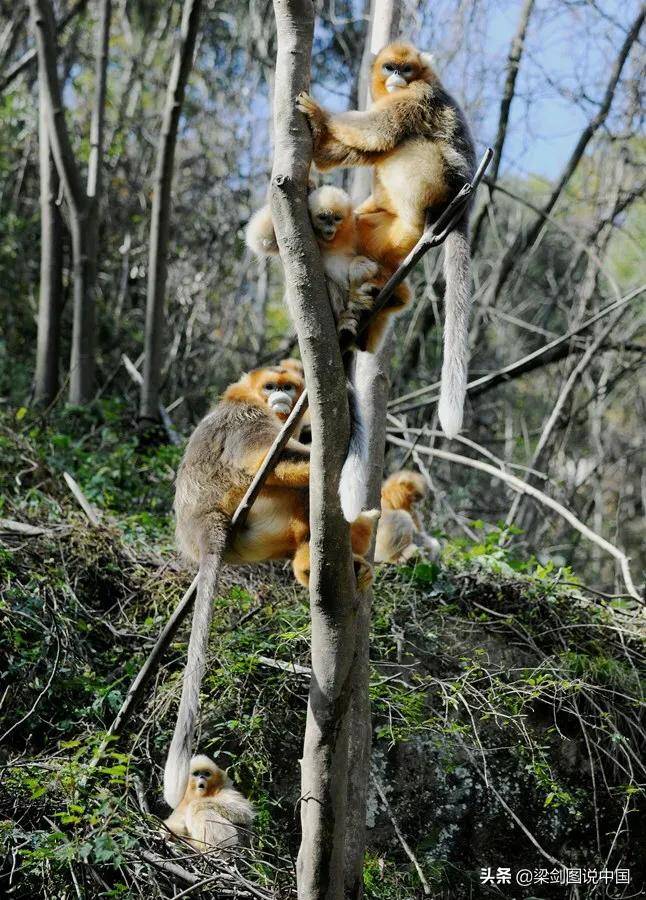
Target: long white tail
[(177, 769), (457, 306), (353, 484)]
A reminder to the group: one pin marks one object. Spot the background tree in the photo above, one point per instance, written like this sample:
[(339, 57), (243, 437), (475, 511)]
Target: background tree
[(160, 216), (83, 203)]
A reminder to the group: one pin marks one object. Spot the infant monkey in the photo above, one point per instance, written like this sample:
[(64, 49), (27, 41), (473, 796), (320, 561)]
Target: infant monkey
[(211, 811), (400, 535), (353, 279)]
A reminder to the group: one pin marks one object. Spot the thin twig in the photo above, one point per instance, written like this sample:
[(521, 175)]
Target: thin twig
[(402, 840), (524, 488)]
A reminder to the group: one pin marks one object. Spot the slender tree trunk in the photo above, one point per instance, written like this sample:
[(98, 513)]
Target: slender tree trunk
[(333, 606), (83, 201), (383, 26), (160, 221), (372, 383), (85, 231), (51, 270), (513, 67)]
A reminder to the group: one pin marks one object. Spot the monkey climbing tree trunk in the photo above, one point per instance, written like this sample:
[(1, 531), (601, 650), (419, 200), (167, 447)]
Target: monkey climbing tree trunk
[(332, 583), (51, 269), (160, 219), (83, 202), (372, 383)]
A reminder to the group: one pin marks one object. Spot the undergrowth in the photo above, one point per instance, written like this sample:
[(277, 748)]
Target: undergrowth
[(507, 704)]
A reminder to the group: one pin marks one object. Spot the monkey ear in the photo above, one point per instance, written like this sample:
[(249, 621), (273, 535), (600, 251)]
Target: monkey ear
[(428, 60)]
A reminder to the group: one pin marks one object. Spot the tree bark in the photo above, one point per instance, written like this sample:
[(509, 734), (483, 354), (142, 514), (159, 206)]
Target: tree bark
[(382, 28), (372, 383), (332, 583), (513, 67), (51, 270), (83, 202), (160, 220)]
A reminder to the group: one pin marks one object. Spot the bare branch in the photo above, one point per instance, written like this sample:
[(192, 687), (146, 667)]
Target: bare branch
[(523, 488)]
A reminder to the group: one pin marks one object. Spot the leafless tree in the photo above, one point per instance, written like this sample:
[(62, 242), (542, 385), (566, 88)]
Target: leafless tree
[(51, 268), (160, 217), (320, 870), (83, 202)]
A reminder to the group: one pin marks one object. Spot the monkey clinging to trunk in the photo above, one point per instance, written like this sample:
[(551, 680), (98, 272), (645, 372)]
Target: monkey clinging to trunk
[(417, 139)]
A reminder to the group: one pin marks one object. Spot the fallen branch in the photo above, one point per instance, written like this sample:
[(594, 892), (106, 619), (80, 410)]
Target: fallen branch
[(82, 500), (524, 488)]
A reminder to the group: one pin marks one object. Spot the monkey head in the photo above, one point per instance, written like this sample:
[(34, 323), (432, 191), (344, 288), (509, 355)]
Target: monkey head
[(295, 365), (403, 489), (205, 779), (332, 217), (275, 387), (397, 66)]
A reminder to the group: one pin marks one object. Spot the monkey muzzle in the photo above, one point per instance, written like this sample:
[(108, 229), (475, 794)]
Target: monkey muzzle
[(200, 784), (280, 402), (394, 82)]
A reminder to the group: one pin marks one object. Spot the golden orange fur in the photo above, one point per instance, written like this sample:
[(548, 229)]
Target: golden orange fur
[(400, 535), (211, 811), (353, 279), (224, 453)]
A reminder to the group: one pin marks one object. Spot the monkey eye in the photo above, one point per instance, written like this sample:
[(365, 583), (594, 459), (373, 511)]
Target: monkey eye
[(388, 67), (407, 70), (270, 386), (338, 217)]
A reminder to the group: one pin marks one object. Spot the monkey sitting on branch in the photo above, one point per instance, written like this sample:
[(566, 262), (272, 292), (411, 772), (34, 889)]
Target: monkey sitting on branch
[(353, 280), (223, 454), (400, 535), (211, 811), (417, 139)]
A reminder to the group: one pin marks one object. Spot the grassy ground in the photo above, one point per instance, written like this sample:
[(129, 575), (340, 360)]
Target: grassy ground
[(508, 706)]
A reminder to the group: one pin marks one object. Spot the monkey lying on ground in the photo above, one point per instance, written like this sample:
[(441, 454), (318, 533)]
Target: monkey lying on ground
[(400, 535), (211, 809), (353, 280), (223, 454), (417, 138)]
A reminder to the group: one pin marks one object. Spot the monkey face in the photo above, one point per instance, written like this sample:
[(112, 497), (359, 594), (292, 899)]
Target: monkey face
[(205, 781), (397, 66), (330, 212), (279, 388)]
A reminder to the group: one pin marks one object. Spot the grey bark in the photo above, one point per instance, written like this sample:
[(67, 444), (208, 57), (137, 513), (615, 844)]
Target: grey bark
[(383, 27), (83, 202), (332, 584), (513, 67), (160, 220), (372, 383), (51, 269)]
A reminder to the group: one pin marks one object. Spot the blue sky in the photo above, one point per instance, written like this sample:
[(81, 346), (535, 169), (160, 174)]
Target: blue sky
[(569, 52)]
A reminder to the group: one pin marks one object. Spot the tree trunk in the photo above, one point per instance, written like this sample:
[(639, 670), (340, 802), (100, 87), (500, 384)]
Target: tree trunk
[(372, 384), (383, 26), (83, 202), (51, 270), (85, 231), (332, 583), (160, 221)]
